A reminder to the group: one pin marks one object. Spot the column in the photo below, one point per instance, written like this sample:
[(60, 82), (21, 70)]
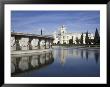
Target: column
[(45, 43), (29, 43), (39, 43), (49, 43), (17, 38)]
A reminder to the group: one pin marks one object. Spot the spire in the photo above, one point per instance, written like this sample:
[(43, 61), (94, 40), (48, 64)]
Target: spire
[(41, 31), (62, 26)]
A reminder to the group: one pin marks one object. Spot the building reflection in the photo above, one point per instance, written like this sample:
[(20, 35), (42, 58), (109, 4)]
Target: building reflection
[(65, 53), (86, 54), (82, 54), (23, 63), (28, 63), (96, 56), (34, 61), (90, 54)]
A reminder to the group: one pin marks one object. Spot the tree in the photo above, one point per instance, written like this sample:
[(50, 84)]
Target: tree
[(77, 40), (64, 43), (97, 37), (81, 39), (71, 41), (92, 41), (87, 38), (58, 42)]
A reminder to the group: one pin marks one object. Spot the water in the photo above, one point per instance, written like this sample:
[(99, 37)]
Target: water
[(60, 62)]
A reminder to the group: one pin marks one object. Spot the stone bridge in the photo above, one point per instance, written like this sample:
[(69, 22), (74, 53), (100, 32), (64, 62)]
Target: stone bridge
[(23, 41)]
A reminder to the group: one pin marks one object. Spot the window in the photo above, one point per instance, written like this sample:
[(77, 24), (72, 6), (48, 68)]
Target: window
[(63, 37), (63, 41), (67, 37)]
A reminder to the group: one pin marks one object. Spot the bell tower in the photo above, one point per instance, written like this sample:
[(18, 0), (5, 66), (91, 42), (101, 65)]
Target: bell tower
[(62, 30)]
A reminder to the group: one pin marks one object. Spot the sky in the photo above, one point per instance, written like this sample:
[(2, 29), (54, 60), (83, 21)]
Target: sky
[(50, 21)]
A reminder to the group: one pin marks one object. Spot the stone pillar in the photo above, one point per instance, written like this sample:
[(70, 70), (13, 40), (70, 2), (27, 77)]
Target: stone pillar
[(17, 43), (39, 43), (13, 45), (49, 43), (45, 43), (29, 43)]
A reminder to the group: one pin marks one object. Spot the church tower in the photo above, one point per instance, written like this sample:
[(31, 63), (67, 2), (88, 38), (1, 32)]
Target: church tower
[(63, 30), (62, 34)]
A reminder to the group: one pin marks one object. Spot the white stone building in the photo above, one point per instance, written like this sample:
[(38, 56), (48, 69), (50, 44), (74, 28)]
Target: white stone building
[(62, 36)]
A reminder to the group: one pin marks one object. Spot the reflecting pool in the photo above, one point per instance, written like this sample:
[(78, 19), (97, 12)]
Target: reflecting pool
[(60, 62)]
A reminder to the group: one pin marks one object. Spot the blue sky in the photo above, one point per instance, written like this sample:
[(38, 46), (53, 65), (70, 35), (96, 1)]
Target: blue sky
[(50, 21)]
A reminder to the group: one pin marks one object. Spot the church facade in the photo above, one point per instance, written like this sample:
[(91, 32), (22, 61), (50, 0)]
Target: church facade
[(63, 36)]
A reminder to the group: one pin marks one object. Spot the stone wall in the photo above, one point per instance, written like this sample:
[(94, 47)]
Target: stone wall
[(23, 43)]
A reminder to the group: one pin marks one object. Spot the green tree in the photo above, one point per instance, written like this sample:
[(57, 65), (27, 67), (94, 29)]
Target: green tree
[(81, 39), (92, 40), (58, 42), (97, 37), (77, 40), (71, 41), (87, 38)]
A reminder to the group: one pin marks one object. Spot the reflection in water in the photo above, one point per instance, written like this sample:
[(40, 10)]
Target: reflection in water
[(82, 54), (42, 59), (96, 54), (34, 61), (63, 55), (77, 53), (62, 61), (12, 68), (87, 54), (21, 64)]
